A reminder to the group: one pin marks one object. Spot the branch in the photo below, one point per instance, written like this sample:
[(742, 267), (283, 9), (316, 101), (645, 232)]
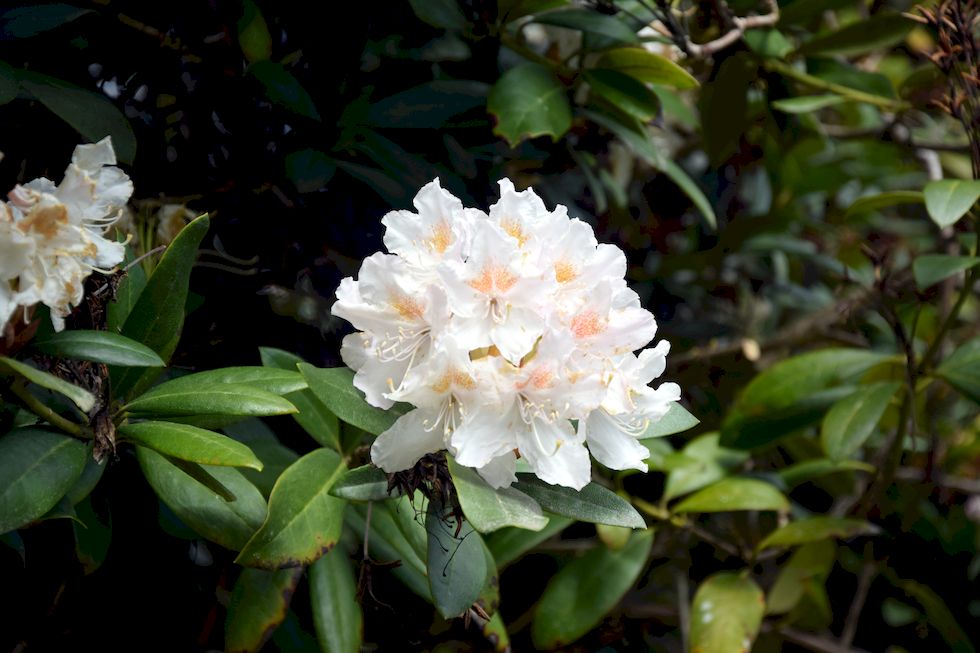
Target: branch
[(739, 25)]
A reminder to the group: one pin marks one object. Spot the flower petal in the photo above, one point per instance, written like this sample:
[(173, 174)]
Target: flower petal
[(406, 442)]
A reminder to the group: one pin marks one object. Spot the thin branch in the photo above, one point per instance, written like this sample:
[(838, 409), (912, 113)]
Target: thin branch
[(739, 25), (865, 577), (33, 404)]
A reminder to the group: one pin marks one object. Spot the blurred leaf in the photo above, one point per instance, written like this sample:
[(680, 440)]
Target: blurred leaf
[(875, 33), (224, 399), (810, 563), (676, 420), (489, 598), (304, 521), (852, 420), (100, 347), (677, 175), (735, 494), (528, 101), (428, 105), (510, 10), (315, 418), (647, 66), (817, 528), (962, 369), (456, 562), (259, 603), (14, 541), (157, 316), (948, 200), (93, 536), (82, 398), (726, 614), (705, 463), (228, 523), (487, 508), (811, 469), (37, 468), (870, 203), (614, 537), (930, 269), (310, 170), (593, 503), (590, 22), (495, 632), (334, 387), (768, 42), (939, 615), (509, 544), (253, 33), (90, 114), (333, 596), (191, 443), (577, 598), (9, 86), (801, 11), (624, 93), (282, 88), (634, 135), (365, 483), (444, 14), (808, 104), (25, 22)]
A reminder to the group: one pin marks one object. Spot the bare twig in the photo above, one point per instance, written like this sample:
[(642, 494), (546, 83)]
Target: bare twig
[(738, 26), (865, 577)]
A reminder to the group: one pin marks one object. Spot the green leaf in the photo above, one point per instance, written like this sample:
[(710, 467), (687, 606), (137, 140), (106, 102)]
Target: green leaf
[(315, 418), (811, 469), (227, 399), (82, 398), (282, 88), (191, 443), (395, 535), (817, 528), (365, 483), (876, 33), (429, 105), (37, 468), (624, 93), (694, 193), (337, 615), (335, 388), (948, 200), (100, 347), (275, 457), (253, 33), (456, 562), (807, 104), (90, 114), (509, 544), (938, 614), (488, 509), (87, 480), (590, 22), (127, 292), (304, 521), (157, 316), (228, 523), (852, 420), (704, 462), (732, 494), (259, 603), (528, 101), (9, 86), (634, 135), (93, 535), (444, 14), (930, 269), (593, 503), (870, 203), (271, 379), (726, 614), (25, 22), (495, 633), (768, 42), (676, 420), (310, 170), (577, 598), (647, 66), (962, 369), (810, 564)]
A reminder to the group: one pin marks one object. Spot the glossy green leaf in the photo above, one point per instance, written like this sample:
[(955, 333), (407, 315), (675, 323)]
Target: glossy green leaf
[(333, 596), (271, 379), (577, 598), (624, 93), (704, 462), (807, 103), (593, 503), (647, 66), (930, 269), (157, 316), (334, 387), (948, 200), (456, 562), (528, 101), (487, 508), (732, 494), (259, 603), (228, 523), (31, 20), (590, 22), (190, 443), (304, 520), (282, 88), (37, 468), (852, 420), (726, 614), (100, 347), (876, 33), (228, 399), (811, 469), (870, 203), (315, 418), (253, 33), (817, 528), (694, 193), (677, 420), (365, 483), (811, 563), (509, 544), (82, 398), (962, 369)]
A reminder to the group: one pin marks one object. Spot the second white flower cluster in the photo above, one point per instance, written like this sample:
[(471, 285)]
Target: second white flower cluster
[(513, 334)]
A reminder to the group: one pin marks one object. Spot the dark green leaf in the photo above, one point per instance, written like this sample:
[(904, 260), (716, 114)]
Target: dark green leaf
[(37, 468), (191, 443), (962, 369), (811, 469), (282, 88), (624, 93), (732, 494), (93, 536), (315, 418), (336, 613), (694, 193), (275, 456), (808, 104), (593, 503), (444, 14), (509, 544), (583, 592), (488, 509), (930, 269), (253, 33), (528, 101), (876, 33), (726, 614), (100, 347), (590, 22), (310, 170), (227, 399), (948, 200), (870, 203), (87, 480), (82, 398), (429, 105), (456, 562), (259, 603), (850, 422), (127, 292), (304, 521), (813, 529), (676, 420), (939, 615), (704, 462), (647, 66), (632, 133), (334, 387), (365, 483), (9, 86), (24, 22)]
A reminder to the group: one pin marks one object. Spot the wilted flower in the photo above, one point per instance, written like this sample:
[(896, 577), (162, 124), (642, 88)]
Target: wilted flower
[(512, 334)]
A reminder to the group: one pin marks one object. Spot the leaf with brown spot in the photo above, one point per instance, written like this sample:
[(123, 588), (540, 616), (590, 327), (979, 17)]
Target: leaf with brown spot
[(259, 603)]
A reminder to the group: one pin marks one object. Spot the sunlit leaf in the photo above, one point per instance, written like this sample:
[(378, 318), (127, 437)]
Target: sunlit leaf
[(948, 200), (726, 614), (647, 66), (816, 528), (488, 509), (190, 443), (732, 494), (852, 420)]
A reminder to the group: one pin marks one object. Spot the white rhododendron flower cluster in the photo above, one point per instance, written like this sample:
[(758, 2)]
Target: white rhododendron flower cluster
[(53, 237), (513, 334)]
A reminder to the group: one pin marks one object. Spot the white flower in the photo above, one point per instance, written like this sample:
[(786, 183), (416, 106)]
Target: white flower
[(511, 333)]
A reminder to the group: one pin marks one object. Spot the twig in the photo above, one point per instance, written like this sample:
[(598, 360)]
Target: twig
[(956, 483), (739, 25), (846, 91), (44, 412), (860, 596), (683, 608)]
